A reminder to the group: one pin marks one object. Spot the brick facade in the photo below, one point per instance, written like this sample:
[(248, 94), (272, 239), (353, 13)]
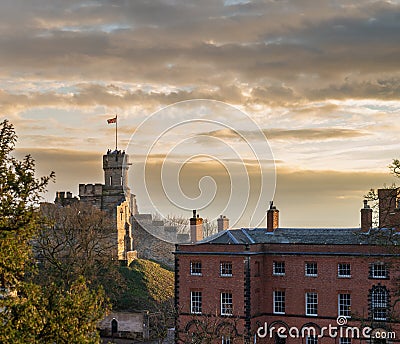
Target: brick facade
[(253, 282)]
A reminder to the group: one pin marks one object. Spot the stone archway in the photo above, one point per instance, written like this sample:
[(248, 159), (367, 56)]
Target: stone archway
[(114, 326)]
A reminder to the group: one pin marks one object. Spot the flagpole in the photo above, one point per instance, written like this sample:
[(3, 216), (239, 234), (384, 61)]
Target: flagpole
[(116, 132)]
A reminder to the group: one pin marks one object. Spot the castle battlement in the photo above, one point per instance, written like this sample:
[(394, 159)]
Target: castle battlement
[(116, 159), (65, 198), (90, 190)]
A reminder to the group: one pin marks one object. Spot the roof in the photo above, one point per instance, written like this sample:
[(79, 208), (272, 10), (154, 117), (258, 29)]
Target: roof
[(322, 236)]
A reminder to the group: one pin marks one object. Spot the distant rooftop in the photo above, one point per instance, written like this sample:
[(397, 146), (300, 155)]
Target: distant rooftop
[(322, 236)]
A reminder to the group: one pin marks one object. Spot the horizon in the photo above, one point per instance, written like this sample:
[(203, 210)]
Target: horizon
[(289, 197)]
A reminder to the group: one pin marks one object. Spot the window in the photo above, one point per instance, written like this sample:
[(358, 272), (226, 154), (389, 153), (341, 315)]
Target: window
[(226, 269), (257, 269), (378, 270), (195, 268), (344, 270), (344, 305), (344, 340), (226, 340), (279, 268), (311, 340), (311, 303), (279, 302), (379, 298), (311, 269), (195, 302), (226, 303)]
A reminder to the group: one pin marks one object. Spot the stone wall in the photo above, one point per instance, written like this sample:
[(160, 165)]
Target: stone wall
[(91, 194), (150, 247), (148, 240)]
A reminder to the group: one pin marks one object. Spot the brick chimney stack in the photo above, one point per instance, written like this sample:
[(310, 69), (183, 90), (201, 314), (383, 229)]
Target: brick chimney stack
[(272, 218), (366, 217), (223, 223), (196, 228)]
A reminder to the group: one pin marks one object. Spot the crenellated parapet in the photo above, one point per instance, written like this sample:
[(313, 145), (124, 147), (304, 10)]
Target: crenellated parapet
[(88, 190), (65, 198)]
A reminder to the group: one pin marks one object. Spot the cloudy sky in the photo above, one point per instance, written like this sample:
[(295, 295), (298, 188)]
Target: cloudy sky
[(321, 79)]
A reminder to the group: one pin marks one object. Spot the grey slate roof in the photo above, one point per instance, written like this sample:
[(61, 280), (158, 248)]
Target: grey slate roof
[(333, 236)]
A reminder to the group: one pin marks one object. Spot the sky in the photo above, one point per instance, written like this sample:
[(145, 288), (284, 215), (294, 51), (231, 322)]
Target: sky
[(319, 79)]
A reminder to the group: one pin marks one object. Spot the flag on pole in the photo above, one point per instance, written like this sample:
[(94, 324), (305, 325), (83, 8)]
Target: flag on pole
[(112, 120)]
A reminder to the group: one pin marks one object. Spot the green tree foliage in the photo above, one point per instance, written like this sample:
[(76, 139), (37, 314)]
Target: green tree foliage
[(50, 314), (19, 195), (32, 313)]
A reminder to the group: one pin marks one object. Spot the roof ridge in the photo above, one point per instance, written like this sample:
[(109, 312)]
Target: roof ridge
[(235, 241), (247, 236)]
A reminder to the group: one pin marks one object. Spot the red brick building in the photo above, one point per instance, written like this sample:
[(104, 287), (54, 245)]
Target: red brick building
[(246, 285)]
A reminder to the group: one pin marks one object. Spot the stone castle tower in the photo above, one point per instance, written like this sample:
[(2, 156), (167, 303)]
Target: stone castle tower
[(114, 197), (115, 189)]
